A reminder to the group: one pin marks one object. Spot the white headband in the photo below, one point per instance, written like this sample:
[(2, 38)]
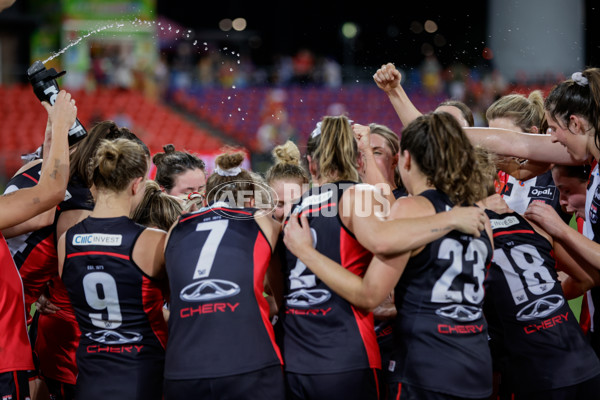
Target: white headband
[(579, 79), (235, 171), (317, 131)]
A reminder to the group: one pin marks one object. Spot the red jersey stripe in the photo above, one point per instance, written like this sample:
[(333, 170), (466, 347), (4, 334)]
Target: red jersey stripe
[(513, 232), (152, 298), (96, 253), (15, 349), (39, 267), (30, 177), (262, 257), (356, 258), (216, 209)]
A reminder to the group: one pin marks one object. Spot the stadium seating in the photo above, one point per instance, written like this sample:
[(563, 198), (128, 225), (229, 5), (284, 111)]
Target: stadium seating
[(23, 121), (237, 112)]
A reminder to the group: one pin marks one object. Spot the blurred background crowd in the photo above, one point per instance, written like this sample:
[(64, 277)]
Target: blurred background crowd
[(255, 75)]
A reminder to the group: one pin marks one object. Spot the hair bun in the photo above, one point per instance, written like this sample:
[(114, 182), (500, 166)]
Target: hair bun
[(287, 153)]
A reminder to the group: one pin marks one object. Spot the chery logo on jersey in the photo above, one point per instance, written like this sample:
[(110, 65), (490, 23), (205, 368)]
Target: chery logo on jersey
[(460, 312), (307, 297), (108, 336), (208, 290), (97, 239), (543, 192), (541, 308)]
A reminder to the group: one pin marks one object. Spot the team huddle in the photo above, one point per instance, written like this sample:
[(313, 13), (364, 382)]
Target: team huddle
[(434, 265)]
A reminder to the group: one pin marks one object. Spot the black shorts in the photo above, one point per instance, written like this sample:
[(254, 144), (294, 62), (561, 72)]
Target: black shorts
[(14, 385), (587, 390), (403, 391), (59, 390), (353, 385), (264, 384)]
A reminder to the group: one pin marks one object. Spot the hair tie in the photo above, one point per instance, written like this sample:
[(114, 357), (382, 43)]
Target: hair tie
[(317, 131), (36, 155), (235, 171), (579, 79)]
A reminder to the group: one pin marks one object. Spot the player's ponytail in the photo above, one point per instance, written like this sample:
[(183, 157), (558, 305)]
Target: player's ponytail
[(117, 163)]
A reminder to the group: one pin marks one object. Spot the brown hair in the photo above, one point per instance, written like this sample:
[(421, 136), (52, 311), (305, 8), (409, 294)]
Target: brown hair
[(157, 209), (83, 155), (489, 173), (217, 185), (172, 163), (525, 112), (117, 163), (336, 150), (444, 154), (581, 172), (287, 164), (572, 98), (464, 110)]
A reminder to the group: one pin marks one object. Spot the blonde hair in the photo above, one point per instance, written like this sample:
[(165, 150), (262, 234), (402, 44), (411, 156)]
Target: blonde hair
[(157, 209), (336, 150), (393, 141), (525, 112), (287, 164), (117, 163), (263, 195)]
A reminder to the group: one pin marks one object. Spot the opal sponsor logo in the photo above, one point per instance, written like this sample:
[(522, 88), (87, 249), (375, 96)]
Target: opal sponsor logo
[(97, 239), (542, 192)]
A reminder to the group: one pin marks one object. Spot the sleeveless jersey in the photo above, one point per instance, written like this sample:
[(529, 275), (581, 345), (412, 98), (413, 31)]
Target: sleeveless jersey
[(545, 345), (15, 350), (322, 332), (519, 194), (38, 264), (118, 309), (384, 328), (25, 179), (440, 332), (58, 333), (219, 325), (591, 230)]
